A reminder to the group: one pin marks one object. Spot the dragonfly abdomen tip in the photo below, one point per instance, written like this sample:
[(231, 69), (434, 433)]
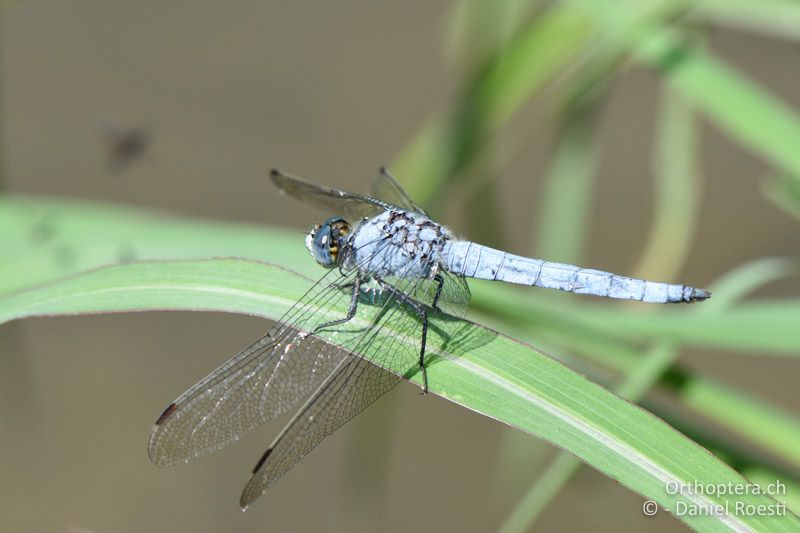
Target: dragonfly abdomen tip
[(698, 295)]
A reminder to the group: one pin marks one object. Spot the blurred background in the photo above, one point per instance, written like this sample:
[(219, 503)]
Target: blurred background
[(658, 139)]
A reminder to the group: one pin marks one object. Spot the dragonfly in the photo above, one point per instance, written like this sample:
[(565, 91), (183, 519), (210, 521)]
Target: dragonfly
[(391, 267)]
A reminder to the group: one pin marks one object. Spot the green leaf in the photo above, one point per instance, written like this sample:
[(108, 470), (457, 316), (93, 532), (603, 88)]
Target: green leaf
[(765, 327), (758, 421), (779, 18), (735, 285), (765, 477), (537, 52), (558, 473), (738, 106), (536, 499), (43, 239), (677, 199), (784, 191), (560, 42), (479, 369), (566, 199)]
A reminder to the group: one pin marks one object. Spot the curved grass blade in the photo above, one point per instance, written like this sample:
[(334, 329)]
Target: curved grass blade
[(569, 184), (772, 18), (760, 422), (741, 107), (765, 326), (44, 239), (677, 190), (479, 369)]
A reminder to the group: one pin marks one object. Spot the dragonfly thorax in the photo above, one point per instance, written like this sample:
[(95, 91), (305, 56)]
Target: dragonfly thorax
[(326, 240), (398, 243)]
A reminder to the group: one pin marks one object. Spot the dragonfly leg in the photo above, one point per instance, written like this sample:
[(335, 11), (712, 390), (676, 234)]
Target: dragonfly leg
[(351, 311), (418, 308), (348, 285), (440, 284)]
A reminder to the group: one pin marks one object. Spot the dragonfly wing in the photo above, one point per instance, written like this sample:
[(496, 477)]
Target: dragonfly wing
[(338, 202), (454, 296), (270, 376), (355, 384), (259, 383), (386, 187)]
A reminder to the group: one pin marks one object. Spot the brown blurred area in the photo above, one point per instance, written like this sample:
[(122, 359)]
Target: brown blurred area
[(328, 91)]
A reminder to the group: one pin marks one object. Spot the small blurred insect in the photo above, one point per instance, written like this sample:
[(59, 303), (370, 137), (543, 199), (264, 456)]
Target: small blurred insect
[(124, 145)]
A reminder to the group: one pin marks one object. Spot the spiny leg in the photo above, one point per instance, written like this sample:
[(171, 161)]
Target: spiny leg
[(351, 311), (440, 285), (418, 308)]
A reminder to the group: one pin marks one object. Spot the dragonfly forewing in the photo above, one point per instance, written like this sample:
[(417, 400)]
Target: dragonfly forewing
[(352, 387), (256, 385), (391, 340)]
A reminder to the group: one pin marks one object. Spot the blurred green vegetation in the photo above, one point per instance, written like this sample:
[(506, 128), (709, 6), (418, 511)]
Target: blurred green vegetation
[(558, 57), (573, 48)]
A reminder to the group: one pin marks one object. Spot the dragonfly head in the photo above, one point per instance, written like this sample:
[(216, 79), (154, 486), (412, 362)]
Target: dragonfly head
[(326, 240)]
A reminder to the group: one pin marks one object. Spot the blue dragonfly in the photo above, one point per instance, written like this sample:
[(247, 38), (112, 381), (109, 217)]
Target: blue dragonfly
[(388, 263)]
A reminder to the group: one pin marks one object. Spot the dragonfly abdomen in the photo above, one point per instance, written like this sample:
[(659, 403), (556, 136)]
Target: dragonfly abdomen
[(478, 261)]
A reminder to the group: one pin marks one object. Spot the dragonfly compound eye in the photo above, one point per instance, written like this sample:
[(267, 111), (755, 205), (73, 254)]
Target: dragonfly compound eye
[(325, 241)]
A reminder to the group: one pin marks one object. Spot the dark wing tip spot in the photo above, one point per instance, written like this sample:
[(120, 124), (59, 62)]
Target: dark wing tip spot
[(260, 462), (171, 408), (247, 498)]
